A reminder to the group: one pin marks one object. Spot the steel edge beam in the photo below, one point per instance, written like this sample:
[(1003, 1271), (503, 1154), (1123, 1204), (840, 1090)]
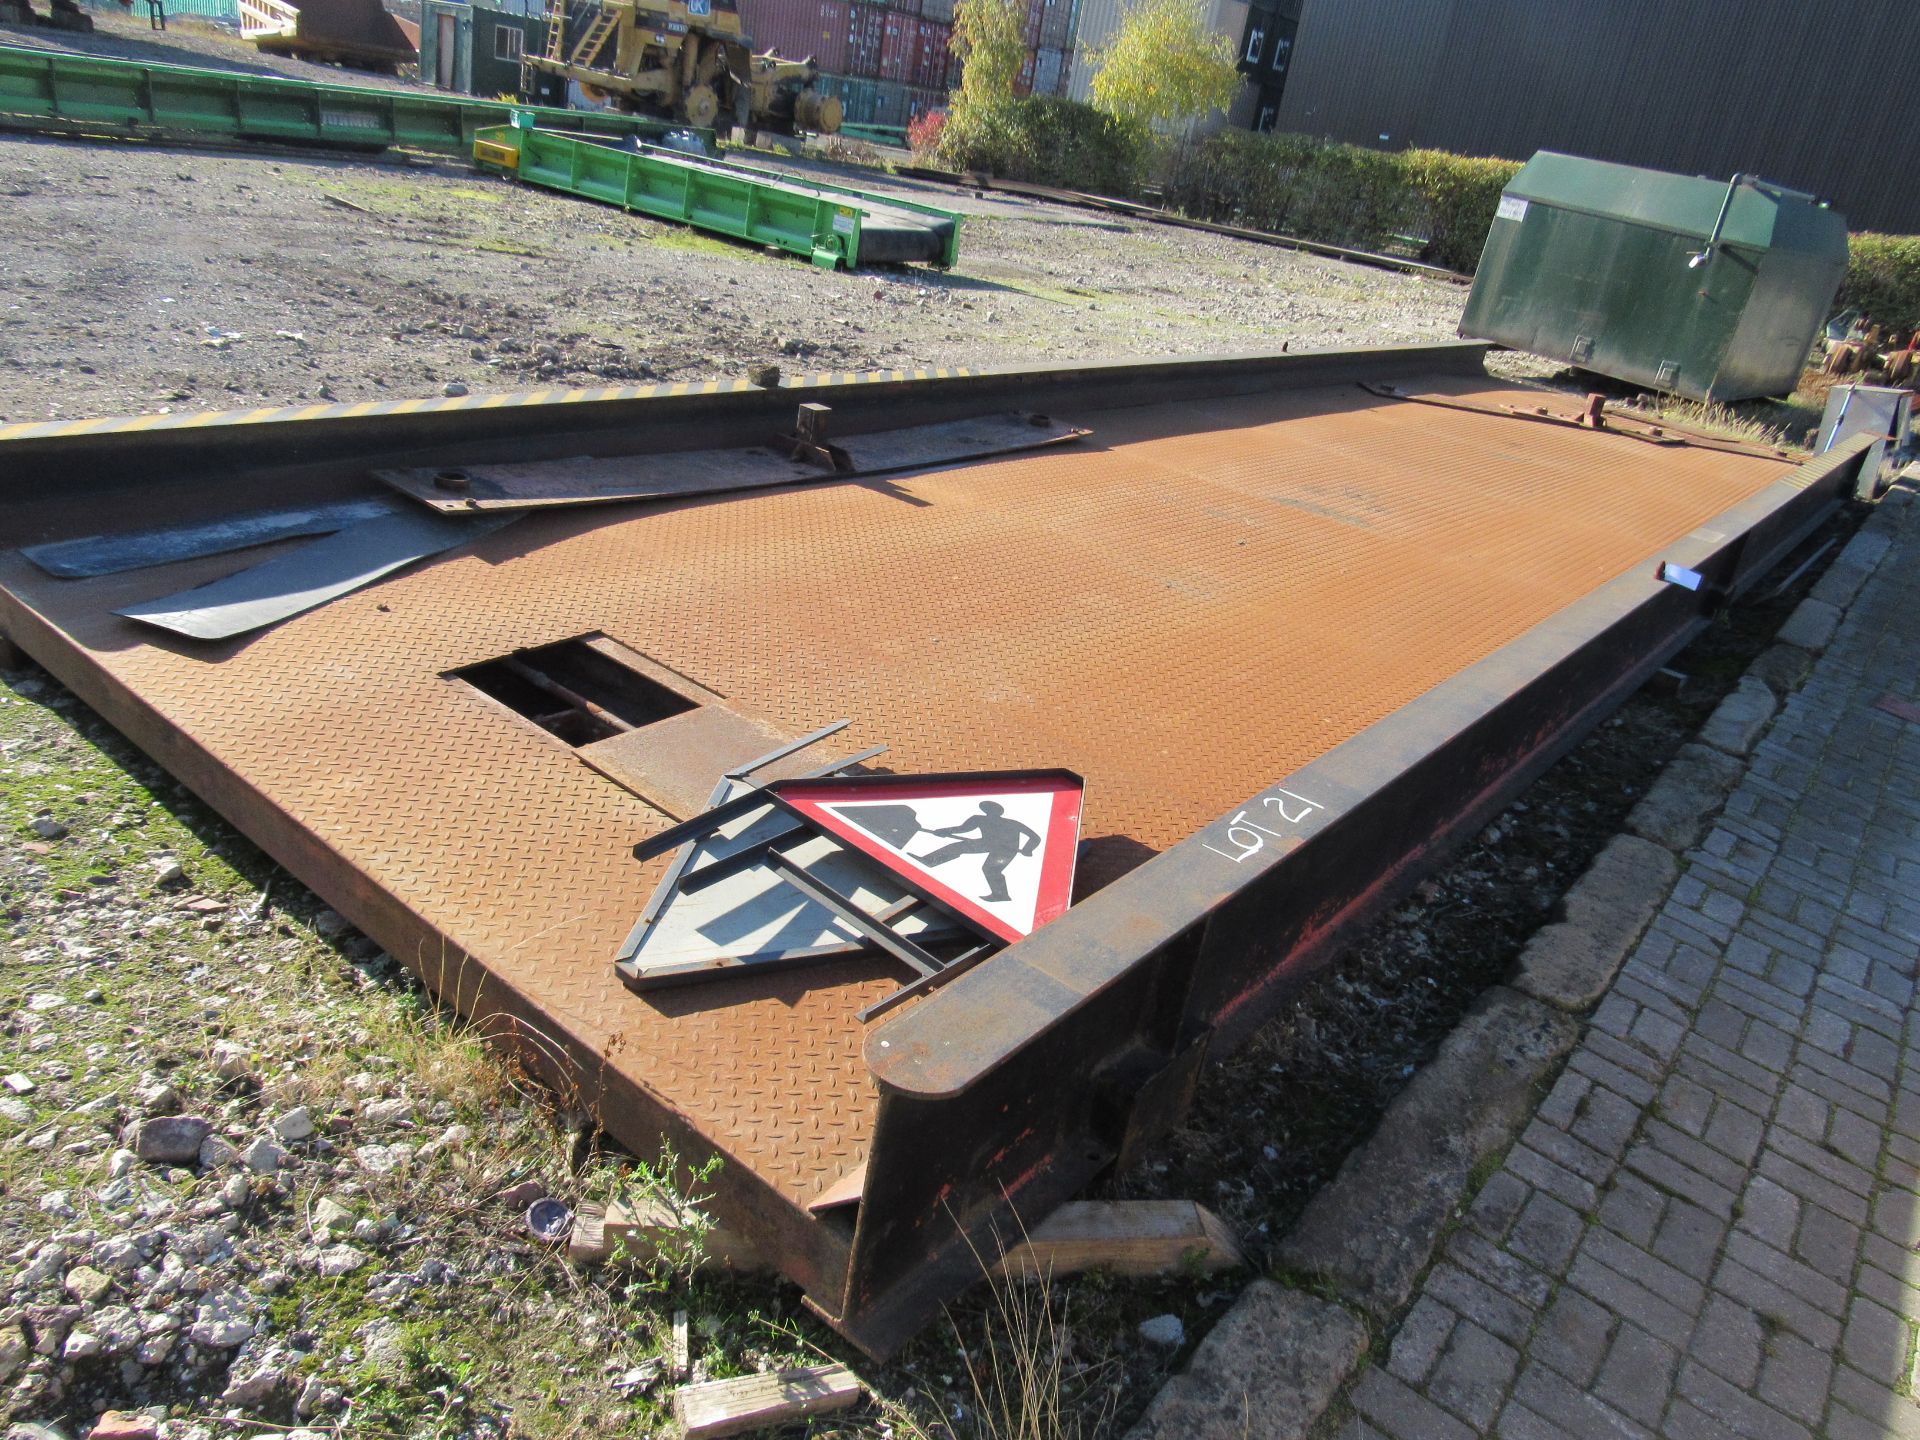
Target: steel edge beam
[(610, 420)]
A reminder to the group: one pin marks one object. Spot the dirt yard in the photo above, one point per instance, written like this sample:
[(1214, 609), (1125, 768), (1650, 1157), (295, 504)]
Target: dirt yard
[(139, 278)]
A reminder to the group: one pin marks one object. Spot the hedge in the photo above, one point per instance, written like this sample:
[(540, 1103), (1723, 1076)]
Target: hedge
[(1883, 279), (1045, 140), (1428, 203)]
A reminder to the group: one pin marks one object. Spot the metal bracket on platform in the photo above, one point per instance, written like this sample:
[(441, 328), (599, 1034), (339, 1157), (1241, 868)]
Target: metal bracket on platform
[(809, 440)]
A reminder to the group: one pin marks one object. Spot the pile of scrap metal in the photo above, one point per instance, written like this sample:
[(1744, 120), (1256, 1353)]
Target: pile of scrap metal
[(1857, 346), (690, 60), (361, 33), (364, 538), (913, 1010)]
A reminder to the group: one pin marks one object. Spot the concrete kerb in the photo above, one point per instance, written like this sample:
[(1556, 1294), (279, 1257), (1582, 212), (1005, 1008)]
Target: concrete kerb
[(1270, 1368), (1370, 1234), (1688, 793), (1571, 964), (1283, 1355), (1739, 720)]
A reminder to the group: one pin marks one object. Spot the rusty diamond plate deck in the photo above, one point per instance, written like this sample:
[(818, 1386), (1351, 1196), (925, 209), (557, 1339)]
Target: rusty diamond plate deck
[(1199, 599)]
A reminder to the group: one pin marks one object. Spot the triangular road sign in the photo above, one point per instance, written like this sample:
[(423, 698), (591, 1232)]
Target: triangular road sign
[(998, 847)]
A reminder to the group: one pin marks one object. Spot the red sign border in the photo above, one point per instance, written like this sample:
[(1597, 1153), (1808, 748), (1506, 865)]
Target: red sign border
[(807, 798)]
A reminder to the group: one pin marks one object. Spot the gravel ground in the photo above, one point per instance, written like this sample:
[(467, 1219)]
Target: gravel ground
[(141, 278)]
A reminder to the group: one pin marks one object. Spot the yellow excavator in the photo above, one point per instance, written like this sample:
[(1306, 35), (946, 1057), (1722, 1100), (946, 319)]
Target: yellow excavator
[(687, 60)]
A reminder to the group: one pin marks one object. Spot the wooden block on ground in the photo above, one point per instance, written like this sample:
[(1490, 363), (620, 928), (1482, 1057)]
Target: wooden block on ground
[(587, 1242), (755, 1402), (644, 1224), (1125, 1237), (681, 1361)]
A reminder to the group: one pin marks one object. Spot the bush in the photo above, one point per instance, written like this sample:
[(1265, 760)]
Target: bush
[(1883, 279), (923, 133), (1046, 140), (1428, 202)]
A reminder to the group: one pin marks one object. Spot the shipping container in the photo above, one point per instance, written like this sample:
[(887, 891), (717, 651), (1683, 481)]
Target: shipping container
[(866, 37), (1055, 28), (798, 29), (935, 54), (905, 7), (899, 46), (937, 10), (856, 96), (880, 102)]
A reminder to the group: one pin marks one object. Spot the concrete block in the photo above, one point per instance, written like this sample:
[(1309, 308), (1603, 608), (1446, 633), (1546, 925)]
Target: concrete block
[(1851, 568), (1840, 584), (1866, 550), (1372, 1231), (1690, 791), (1570, 965), (1737, 721), (1782, 668), (1270, 1367), (1811, 625)]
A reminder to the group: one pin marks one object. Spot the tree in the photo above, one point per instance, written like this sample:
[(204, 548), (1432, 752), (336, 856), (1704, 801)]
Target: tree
[(1164, 66), (989, 36)]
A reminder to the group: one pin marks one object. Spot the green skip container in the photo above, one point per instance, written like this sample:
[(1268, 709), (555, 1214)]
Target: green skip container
[(1712, 289)]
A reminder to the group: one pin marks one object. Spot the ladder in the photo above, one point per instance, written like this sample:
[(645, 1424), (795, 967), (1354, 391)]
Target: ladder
[(595, 39), (556, 17)]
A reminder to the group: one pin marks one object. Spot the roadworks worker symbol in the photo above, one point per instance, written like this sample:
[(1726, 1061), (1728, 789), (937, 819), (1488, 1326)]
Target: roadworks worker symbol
[(998, 848)]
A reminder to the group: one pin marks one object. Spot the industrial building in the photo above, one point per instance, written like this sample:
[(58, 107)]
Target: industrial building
[(476, 49), (1795, 92)]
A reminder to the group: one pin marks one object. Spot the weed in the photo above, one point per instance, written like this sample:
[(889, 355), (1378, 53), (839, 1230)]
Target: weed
[(1484, 1169), (677, 1193), (1020, 1368)]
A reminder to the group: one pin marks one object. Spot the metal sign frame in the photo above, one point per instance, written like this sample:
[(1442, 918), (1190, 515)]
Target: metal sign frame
[(776, 853)]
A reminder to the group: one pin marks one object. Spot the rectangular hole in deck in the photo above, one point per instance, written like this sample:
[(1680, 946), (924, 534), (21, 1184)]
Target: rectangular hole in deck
[(575, 691)]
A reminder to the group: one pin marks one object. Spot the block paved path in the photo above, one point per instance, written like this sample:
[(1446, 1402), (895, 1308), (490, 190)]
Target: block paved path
[(1710, 1228)]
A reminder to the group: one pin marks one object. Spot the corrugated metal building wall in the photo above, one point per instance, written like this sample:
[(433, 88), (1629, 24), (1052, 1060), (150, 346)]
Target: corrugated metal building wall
[(1803, 93)]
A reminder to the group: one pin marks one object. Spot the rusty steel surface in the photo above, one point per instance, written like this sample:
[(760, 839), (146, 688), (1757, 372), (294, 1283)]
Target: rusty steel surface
[(1195, 601)]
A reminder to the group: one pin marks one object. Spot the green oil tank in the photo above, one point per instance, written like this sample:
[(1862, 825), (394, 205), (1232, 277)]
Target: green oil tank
[(1713, 289)]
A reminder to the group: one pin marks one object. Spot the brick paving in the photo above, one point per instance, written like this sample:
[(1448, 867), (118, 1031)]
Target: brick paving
[(1709, 1229)]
